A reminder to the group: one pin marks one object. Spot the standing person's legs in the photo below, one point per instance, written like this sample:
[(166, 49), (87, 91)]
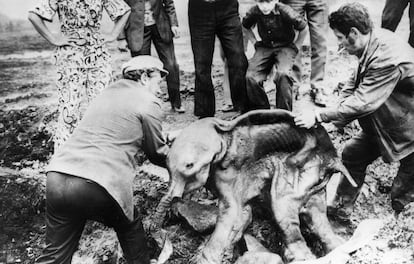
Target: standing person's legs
[(259, 67), (229, 31), (317, 15), (201, 17), (146, 43), (166, 54), (228, 104), (284, 79), (402, 191), (359, 152), (392, 13), (411, 15), (97, 79), (298, 6)]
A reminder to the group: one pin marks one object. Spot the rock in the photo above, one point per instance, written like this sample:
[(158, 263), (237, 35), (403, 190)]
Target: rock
[(253, 245), (200, 217)]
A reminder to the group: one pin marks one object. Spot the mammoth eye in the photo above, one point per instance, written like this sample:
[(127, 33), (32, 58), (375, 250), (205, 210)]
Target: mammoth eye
[(189, 165)]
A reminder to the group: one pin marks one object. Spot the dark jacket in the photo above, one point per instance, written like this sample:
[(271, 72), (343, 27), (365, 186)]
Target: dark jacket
[(381, 95), (164, 15), (276, 29)]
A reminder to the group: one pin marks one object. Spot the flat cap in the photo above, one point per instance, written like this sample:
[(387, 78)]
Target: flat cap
[(143, 62)]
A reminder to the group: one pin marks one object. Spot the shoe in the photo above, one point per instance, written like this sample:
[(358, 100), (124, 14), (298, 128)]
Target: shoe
[(179, 110), (228, 108)]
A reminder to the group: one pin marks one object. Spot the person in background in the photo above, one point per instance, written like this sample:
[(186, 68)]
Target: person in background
[(380, 95), (392, 14), (276, 25), (316, 13), (82, 60), (91, 176), (156, 21), (208, 18)]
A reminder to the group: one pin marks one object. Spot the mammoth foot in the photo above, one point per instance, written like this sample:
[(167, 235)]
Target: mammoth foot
[(298, 251)]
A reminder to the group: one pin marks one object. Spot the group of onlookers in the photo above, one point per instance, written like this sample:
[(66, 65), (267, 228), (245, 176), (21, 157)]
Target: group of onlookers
[(90, 176)]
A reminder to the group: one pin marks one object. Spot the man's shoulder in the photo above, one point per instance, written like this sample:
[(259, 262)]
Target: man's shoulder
[(389, 46)]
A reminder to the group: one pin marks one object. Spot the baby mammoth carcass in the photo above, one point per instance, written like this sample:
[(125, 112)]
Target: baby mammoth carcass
[(241, 158)]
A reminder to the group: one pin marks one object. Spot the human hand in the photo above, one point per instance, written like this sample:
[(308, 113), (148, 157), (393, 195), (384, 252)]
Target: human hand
[(107, 38), (176, 31), (305, 119), (61, 40)]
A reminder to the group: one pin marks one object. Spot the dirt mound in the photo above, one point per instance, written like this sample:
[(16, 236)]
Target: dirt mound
[(393, 244), (24, 136)]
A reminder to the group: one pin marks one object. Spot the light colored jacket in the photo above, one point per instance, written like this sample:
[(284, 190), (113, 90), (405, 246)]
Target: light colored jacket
[(118, 123), (381, 95)]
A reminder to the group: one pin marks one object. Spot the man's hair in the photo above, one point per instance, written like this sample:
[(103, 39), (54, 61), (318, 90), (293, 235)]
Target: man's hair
[(135, 75), (351, 15), (260, 1)]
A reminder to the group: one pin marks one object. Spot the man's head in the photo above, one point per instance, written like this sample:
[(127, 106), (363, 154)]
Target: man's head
[(266, 6), (148, 71), (352, 27)]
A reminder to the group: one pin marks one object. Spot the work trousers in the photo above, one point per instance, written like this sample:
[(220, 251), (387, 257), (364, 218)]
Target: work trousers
[(206, 20), (260, 66), (166, 53), (70, 201), (361, 151), (392, 14), (316, 12)]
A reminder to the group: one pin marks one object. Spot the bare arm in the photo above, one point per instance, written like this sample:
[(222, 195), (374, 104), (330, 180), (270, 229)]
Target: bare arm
[(40, 26), (118, 27)]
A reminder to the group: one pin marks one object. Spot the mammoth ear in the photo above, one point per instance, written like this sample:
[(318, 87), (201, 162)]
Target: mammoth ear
[(222, 150)]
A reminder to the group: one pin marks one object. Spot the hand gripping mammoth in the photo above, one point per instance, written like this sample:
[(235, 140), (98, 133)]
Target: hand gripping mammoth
[(239, 158)]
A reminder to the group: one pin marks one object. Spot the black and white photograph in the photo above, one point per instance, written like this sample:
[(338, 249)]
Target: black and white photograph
[(207, 131)]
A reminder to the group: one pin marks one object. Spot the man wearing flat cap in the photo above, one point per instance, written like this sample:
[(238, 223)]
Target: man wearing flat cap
[(90, 177)]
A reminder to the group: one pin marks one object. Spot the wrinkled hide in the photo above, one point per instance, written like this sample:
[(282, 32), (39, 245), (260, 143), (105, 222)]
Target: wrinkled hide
[(243, 158)]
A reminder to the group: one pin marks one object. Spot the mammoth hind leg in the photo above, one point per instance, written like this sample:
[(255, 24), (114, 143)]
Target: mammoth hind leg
[(318, 223)]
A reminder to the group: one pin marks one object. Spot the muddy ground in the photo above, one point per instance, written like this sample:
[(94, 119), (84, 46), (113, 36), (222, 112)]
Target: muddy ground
[(27, 116)]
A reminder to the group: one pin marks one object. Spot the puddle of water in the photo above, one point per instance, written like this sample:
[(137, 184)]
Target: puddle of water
[(27, 55)]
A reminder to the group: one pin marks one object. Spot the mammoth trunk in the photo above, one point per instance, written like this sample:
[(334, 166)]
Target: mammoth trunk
[(176, 190)]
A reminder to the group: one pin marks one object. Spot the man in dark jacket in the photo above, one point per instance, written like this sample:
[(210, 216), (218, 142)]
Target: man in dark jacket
[(156, 21), (91, 175), (381, 97)]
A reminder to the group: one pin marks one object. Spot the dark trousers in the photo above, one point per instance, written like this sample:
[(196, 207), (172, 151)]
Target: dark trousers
[(208, 19), (166, 54), (316, 12), (392, 13), (70, 201), (260, 66), (361, 151)]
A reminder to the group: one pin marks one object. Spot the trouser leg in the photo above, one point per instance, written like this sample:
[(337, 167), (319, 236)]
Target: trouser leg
[(146, 43), (166, 54), (411, 15), (229, 31), (317, 15), (63, 228), (284, 80), (402, 191), (259, 67), (201, 16), (358, 153), (392, 13)]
